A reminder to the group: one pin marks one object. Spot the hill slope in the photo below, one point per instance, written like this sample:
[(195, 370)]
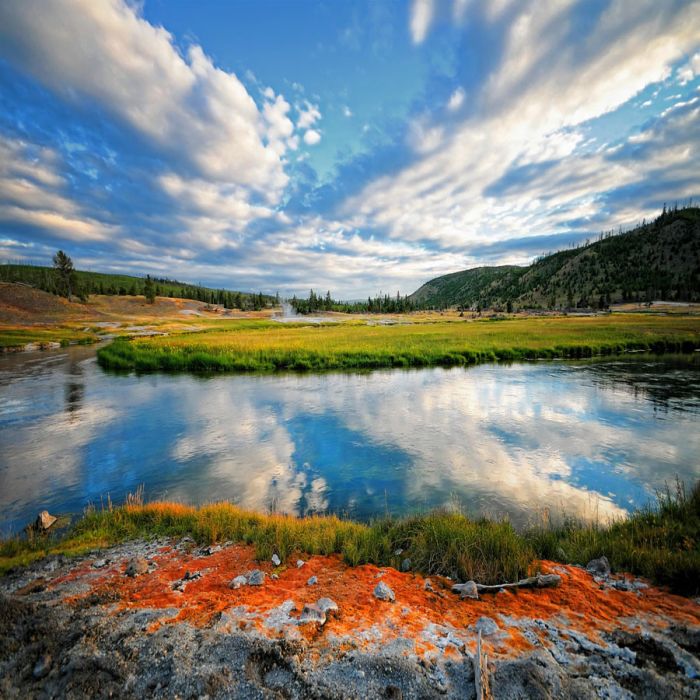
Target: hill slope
[(112, 284), (660, 260)]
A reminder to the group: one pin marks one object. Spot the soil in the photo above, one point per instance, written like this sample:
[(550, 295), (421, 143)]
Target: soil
[(70, 628)]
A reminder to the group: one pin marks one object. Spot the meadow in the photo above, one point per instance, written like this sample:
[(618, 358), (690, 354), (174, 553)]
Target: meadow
[(660, 542), (266, 346)]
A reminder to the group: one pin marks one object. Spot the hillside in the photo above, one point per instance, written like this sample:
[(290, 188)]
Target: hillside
[(659, 260), (126, 285)]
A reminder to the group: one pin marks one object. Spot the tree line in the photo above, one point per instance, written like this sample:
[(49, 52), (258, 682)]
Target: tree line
[(62, 279), (380, 304)]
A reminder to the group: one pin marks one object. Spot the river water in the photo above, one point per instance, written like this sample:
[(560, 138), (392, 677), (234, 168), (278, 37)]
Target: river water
[(592, 439)]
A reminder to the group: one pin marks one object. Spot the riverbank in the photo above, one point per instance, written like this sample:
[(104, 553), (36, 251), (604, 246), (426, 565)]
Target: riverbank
[(261, 346), (167, 617), (660, 542)]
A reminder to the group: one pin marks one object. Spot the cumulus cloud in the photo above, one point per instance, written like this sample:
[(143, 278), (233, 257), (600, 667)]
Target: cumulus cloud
[(311, 137), (309, 114)]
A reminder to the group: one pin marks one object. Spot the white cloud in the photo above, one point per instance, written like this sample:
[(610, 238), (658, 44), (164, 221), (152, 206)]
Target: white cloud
[(687, 72), (422, 12), (347, 112), (529, 108), (456, 100), (311, 137), (182, 105), (32, 193), (309, 114)]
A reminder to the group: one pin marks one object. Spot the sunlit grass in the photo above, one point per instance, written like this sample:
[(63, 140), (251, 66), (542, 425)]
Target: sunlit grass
[(265, 346), (661, 542)]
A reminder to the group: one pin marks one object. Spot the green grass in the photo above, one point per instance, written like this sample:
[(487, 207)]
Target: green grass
[(265, 346), (661, 542), (19, 337)]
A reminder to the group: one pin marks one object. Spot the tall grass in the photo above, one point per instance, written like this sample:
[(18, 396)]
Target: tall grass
[(661, 542), (267, 347)]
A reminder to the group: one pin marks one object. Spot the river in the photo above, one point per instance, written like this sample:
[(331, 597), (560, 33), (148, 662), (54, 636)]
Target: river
[(591, 439)]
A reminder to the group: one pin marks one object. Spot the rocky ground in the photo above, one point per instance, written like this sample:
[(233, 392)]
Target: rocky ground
[(170, 619)]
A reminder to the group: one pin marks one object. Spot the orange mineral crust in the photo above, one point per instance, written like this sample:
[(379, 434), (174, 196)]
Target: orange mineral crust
[(195, 588)]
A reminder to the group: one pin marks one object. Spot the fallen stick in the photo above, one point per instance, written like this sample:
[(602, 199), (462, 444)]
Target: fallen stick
[(539, 581), (481, 673)]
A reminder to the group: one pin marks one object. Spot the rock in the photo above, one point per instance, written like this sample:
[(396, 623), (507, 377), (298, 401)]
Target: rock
[(99, 564), (274, 577), (238, 582), (192, 575), (548, 581), (136, 567), (256, 578), (312, 613), (428, 585), (406, 564), (466, 590), (599, 567), (398, 552), (312, 581), (44, 521), (42, 666), (383, 592), (276, 560), (327, 605), (485, 625), (300, 563), (211, 549)]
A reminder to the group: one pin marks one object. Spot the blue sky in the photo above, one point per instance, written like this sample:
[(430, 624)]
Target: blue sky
[(278, 145)]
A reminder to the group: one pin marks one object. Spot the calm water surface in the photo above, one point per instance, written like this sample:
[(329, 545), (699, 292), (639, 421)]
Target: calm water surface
[(593, 439)]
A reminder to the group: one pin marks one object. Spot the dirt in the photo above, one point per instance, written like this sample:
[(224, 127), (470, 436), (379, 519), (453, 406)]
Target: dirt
[(69, 628)]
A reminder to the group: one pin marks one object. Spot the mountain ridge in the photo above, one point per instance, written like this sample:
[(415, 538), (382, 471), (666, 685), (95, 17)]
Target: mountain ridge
[(656, 260)]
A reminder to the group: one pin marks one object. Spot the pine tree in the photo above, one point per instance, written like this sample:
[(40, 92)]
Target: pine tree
[(65, 273), (149, 290)]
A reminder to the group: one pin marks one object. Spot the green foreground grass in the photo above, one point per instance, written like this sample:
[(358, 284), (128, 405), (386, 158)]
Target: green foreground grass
[(252, 346), (660, 542)]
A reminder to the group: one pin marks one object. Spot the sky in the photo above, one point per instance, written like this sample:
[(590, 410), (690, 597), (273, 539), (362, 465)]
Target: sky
[(357, 146)]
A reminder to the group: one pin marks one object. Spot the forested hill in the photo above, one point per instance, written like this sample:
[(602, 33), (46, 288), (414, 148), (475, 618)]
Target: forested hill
[(102, 283), (659, 260)]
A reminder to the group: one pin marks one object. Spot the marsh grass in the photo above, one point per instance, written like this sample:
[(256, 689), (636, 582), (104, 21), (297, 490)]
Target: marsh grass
[(661, 542), (264, 346)]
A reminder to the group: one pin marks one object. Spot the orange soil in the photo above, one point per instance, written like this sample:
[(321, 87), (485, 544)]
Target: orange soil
[(579, 604)]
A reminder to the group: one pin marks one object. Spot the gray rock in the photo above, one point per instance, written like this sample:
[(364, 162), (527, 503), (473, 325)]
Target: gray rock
[(398, 552), (327, 605), (383, 592), (466, 590), (428, 585), (136, 567), (300, 563), (238, 582), (485, 625), (99, 564), (312, 613), (42, 666), (406, 564), (312, 581), (212, 549), (255, 578), (274, 577), (276, 560), (599, 567)]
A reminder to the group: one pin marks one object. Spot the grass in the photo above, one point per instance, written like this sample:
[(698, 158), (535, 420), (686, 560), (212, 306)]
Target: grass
[(661, 542), (265, 346), (17, 337)]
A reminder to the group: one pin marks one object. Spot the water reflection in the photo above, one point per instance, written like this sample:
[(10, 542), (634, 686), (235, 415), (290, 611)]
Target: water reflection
[(592, 439)]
